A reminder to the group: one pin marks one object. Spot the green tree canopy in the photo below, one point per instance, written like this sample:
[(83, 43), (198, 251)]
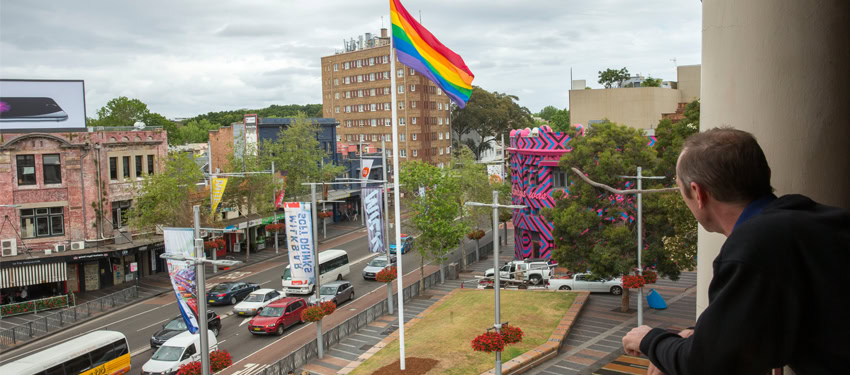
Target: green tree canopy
[(487, 115), (589, 226), (560, 121), (121, 111), (473, 185), (166, 198), (651, 82), (610, 76), (547, 112), (432, 214)]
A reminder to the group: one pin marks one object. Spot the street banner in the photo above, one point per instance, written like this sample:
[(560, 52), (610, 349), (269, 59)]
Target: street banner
[(365, 169), (182, 273), (218, 185), (372, 201), (279, 199), (299, 237)]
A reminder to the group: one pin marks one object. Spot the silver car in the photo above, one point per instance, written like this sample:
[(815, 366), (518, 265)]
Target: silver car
[(336, 291), (370, 272)]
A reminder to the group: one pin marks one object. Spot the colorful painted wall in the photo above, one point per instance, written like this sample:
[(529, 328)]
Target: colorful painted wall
[(534, 157)]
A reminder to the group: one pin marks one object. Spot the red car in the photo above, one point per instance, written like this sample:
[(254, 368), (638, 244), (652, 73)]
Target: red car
[(277, 316)]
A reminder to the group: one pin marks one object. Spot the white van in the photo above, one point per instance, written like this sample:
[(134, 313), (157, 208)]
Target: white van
[(333, 265), (177, 351)]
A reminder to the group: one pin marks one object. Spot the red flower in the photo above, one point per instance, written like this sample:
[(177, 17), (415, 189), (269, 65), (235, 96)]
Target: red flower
[(488, 342), (650, 276), (511, 334), (387, 275), (219, 360), (633, 281)]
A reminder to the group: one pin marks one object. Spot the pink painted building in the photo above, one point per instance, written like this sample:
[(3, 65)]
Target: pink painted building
[(64, 198)]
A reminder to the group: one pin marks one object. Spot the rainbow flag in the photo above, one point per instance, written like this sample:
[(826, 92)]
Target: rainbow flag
[(417, 48)]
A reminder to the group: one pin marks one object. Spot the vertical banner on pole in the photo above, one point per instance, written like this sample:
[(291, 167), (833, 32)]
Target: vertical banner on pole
[(182, 273), (365, 169), (218, 185), (299, 237), (372, 200)]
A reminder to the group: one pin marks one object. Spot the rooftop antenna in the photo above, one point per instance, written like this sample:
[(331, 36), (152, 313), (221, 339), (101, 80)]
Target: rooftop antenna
[(382, 22), (420, 16)]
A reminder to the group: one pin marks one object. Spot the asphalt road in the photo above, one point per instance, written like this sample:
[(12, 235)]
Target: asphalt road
[(140, 321)]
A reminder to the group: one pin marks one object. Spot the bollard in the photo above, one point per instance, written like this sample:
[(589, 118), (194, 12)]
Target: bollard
[(61, 319), (30, 325)]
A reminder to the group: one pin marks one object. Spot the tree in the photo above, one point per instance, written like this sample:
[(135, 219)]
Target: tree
[(432, 213), (251, 193), (561, 121), (670, 137), (651, 82), (121, 111), (487, 116), (297, 154), (192, 132), (166, 198), (611, 76), (547, 112), (596, 231), (473, 185)]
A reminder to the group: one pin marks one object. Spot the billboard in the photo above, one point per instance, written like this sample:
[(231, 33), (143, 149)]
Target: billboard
[(36, 105)]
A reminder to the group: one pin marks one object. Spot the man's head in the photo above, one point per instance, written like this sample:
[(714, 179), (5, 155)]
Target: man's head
[(721, 167)]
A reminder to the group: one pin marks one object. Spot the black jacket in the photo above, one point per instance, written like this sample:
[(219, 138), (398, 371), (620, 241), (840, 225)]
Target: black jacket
[(778, 297)]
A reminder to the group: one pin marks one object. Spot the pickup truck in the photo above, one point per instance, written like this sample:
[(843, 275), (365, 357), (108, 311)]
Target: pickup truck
[(589, 282), (536, 272)]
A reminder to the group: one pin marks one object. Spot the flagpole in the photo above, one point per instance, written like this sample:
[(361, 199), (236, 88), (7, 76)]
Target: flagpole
[(396, 198)]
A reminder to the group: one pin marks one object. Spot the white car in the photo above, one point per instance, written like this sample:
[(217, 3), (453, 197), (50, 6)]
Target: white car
[(177, 351), (586, 281), (254, 302)]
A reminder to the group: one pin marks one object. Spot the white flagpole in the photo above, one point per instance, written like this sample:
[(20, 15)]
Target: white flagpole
[(396, 198)]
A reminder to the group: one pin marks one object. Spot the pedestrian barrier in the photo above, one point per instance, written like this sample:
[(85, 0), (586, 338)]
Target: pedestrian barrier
[(42, 324)]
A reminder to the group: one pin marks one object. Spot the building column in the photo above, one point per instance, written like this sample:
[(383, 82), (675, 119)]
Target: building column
[(778, 69)]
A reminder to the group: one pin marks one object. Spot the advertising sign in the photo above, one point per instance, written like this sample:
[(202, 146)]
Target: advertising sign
[(372, 200), (180, 241), (299, 237), (134, 267), (35, 105), (218, 185)]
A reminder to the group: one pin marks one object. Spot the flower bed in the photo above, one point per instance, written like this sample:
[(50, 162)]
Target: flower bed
[(33, 306)]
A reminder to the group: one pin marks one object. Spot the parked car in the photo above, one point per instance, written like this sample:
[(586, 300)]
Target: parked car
[(589, 282), (255, 301), (534, 271), (406, 244), (277, 316), (377, 264), (230, 292), (336, 291), (177, 325), (177, 351)]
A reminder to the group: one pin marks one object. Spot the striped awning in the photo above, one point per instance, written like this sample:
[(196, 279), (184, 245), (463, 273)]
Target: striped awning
[(32, 274)]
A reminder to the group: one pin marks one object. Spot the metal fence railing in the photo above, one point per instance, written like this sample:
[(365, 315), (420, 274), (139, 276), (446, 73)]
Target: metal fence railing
[(305, 353), (43, 324)]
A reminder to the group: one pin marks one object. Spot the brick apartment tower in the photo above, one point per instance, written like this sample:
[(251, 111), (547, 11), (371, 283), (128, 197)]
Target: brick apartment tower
[(356, 92)]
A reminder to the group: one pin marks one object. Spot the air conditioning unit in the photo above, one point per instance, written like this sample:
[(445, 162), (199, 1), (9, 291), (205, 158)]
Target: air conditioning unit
[(60, 247), (9, 247), (78, 245)]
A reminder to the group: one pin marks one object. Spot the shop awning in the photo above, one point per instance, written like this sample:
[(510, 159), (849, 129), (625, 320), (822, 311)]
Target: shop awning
[(32, 274)]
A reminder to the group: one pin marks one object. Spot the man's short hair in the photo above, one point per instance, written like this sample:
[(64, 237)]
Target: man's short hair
[(728, 163)]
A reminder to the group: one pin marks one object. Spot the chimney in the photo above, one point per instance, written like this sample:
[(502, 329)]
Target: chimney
[(383, 32)]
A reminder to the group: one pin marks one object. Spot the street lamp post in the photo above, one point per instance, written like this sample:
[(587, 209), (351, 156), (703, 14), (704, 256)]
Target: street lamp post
[(199, 260), (497, 325)]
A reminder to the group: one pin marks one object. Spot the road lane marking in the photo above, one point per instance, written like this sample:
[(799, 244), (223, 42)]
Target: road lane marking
[(155, 324), (246, 320), (140, 351)]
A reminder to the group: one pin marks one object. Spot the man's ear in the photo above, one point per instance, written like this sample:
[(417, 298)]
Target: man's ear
[(699, 194)]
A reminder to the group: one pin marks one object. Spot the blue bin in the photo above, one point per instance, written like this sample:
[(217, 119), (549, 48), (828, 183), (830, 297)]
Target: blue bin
[(655, 301)]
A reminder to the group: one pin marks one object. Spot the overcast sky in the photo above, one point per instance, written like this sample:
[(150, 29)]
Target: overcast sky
[(185, 58)]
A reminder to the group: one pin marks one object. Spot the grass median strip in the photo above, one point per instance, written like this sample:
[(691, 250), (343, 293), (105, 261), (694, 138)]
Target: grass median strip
[(445, 334)]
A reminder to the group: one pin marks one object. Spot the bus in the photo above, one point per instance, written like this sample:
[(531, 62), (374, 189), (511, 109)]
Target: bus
[(94, 353), (333, 265)]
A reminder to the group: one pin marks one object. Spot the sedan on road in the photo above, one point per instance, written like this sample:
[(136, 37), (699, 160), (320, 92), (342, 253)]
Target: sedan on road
[(277, 316), (336, 291), (370, 272), (406, 244), (230, 292), (588, 282), (178, 325), (255, 301)]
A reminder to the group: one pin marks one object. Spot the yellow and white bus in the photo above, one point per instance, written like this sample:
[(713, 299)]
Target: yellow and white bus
[(95, 353)]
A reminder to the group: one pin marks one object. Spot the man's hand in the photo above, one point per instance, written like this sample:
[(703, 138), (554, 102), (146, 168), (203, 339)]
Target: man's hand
[(631, 341), (685, 333), (652, 370)]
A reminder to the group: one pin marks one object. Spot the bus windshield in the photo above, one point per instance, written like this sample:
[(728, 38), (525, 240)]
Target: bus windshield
[(286, 274)]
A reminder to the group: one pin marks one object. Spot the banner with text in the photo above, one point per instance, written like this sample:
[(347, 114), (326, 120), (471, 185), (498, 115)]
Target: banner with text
[(218, 185), (299, 235), (182, 273), (372, 202)]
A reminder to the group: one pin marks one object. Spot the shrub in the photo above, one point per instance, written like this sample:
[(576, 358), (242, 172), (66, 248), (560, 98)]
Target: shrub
[(475, 235)]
